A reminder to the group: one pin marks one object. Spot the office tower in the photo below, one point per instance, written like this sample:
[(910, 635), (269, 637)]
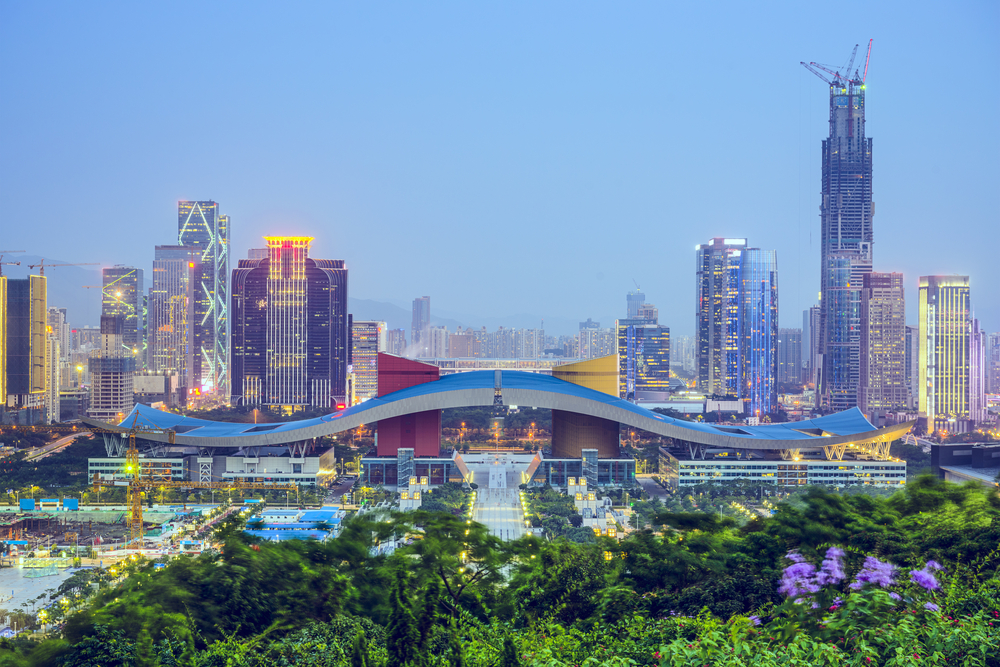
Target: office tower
[(634, 301), (291, 339), (649, 313), (643, 358), (112, 373), (882, 385), (421, 324), (170, 349), (977, 373), (993, 363), (846, 242), (758, 327), (944, 349), (27, 315), (53, 381), (3, 341), (368, 338), (810, 343), (790, 356), (717, 331), (396, 342), (122, 295), (912, 366), (200, 226)]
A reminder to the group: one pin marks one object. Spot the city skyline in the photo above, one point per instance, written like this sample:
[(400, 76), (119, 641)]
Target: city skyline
[(553, 174)]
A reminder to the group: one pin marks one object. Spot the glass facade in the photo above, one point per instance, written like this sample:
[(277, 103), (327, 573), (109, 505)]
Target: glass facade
[(758, 349), (944, 347), (883, 386), (643, 357), (201, 227), (717, 276), (170, 346), (122, 296)]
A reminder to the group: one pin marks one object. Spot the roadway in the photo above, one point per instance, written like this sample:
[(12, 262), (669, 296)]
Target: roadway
[(498, 502), (55, 447), (651, 487)]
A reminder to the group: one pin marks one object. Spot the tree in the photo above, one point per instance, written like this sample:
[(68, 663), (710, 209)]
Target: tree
[(359, 655), (508, 655)]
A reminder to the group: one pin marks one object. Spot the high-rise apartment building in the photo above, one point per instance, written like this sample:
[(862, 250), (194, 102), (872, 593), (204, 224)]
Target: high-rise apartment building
[(112, 373), (53, 379), (420, 326), (122, 295), (594, 342), (368, 338), (396, 342), (790, 356), (944, 351), (682, 354), (649, 312), (882, 387), (977, 373), (846, 243), (200, 226), (737, 323), (993, 363), (810, 343), (170, 341), (717, 331), (3, 340), (291, 339), (59, 327)]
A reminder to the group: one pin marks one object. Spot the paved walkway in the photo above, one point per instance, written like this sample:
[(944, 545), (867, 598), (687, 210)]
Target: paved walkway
[(498, 504)]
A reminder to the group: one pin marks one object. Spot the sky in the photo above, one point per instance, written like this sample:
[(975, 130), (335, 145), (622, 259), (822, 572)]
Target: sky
[(517, 158)]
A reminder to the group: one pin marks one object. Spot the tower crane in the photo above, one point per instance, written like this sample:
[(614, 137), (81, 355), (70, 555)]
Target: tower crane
[(3, 263), (41, 265), (842, 80), (135, 484)]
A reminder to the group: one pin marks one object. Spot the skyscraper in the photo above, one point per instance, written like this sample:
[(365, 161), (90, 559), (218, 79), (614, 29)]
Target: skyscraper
[(810, 343), (419, 330), (26, 315), (112, 373), (790, 356), (993, 363), (643, 357), (846, 241), (758, 331), (170, 348), (122, 295), (944, 350), (912, 365), (3, 340), (200, 226), (717, 330), (396, 342), (52, 378), (737, 323), (368, 338), (882, 387), (291, 339)]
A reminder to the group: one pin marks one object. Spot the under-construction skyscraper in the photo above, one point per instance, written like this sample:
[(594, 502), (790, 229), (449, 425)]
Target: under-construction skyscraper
[(846, 212)]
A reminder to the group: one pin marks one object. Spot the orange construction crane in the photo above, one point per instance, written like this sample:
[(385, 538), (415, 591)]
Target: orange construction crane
[(41, 265)]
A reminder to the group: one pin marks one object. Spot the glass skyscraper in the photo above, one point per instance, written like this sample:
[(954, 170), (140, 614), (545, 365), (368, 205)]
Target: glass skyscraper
[(883, 374), (846, 248), (944, 351), (291, 339), (758, 320), (170, 347), (122, 295), (202, 227)]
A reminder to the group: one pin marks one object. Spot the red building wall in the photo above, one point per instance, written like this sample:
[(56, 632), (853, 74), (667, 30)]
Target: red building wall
[(420, 431)]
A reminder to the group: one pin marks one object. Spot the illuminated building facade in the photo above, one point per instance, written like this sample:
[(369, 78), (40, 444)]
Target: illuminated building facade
[(944, 349), (737, 323), (291, 338), (3, 341), (112, 373), (912, 365), (846, 249), (26, 341), (717, 329), (201, 227), (53, 367), (170, 348), (643, 358), (883, 385), (420, 327), (993, 363), (368, 338), (122, 296)]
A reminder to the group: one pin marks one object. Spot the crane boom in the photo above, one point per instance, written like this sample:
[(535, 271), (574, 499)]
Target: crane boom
[(41, 265), (867, 58)]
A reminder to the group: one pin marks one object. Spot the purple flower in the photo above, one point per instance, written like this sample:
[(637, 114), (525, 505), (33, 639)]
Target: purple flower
[(754, 619), (875, 572), (895, 596), (924, 579), (798, 579), (832, 568), (930, 606), (933, 565)]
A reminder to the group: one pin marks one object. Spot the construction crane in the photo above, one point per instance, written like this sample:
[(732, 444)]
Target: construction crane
[(135, 484), (3, 263), (838, 79), (41, 265)]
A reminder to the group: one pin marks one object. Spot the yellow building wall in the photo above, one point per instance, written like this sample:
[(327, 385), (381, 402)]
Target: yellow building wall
[(600, 374)]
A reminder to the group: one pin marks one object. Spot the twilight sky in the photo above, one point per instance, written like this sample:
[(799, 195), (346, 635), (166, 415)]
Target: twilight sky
[(503, 158)]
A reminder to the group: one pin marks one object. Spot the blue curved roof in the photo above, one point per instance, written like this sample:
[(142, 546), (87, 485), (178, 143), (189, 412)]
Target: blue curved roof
[(518, 388)]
